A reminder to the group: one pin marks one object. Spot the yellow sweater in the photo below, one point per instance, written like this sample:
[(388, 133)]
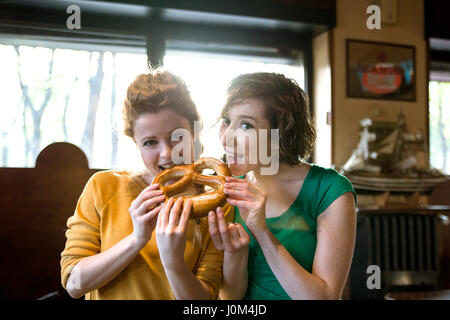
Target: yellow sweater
[(102, 219)]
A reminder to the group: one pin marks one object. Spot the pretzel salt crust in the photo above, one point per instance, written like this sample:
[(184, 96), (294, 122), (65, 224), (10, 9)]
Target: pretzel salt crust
[(188, 176)]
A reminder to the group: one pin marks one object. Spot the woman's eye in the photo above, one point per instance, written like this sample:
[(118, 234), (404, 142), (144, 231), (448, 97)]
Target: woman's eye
[(150, 143), (225, 121), (246, 126)]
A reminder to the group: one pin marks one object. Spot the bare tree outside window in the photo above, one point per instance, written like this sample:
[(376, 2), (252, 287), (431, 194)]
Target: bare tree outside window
[(52, 94), (36, 98), (95, 86), (114, 132)]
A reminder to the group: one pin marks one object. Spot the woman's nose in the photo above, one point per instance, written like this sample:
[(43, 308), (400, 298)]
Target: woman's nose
[(228, 138), (166, 151)]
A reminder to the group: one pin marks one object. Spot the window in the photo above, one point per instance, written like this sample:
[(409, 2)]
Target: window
[(53, 91), (439, 120)]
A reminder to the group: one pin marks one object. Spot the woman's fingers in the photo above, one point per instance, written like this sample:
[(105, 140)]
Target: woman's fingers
[(240, 229), (184, 219), (239, 203), (236, 185), (240, 194), (145, 195), (234, 235), (149, 204), (175, 212), (163, 217), (226, 237), (243, 194), (223, 229), (153, 186), (239, 237), (151, 214), (243, 235), (214, 231), (243, 185), (234, 179)]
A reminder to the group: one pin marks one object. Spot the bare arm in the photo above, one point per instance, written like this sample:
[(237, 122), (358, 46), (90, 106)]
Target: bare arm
[(235, 275), (336, 232), (171, 239), (233, 240), (95, 271), (185, 285)]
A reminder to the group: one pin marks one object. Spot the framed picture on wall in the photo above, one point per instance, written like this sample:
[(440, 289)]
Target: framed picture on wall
[(378, 70)]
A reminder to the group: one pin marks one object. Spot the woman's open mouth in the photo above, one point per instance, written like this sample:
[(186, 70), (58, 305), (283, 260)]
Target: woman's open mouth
[(165, 166)]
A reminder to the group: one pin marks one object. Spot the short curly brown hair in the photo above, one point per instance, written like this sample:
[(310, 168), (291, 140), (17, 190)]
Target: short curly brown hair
[(154, 91), (287, 109)]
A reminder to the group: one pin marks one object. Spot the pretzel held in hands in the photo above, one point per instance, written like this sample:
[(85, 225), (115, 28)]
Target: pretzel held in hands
[(189, 175)]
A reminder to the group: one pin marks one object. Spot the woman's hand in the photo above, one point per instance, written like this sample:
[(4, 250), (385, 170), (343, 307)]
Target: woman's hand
[(231, 238), (250, 200), (143, 213), (171, 231)]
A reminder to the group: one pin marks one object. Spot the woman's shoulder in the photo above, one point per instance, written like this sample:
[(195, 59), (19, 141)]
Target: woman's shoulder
[(110, 182), (328, 175), (330, 184), (112, 176)]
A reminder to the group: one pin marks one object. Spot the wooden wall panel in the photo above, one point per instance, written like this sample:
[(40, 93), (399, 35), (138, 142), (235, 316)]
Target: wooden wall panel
[(35, 204)]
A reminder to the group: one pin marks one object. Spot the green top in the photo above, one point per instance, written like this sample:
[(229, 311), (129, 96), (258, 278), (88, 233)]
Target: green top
[(295, 229)]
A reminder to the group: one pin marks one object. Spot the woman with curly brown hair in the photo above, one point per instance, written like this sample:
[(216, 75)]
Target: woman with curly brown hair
[(121, 242), (294, 229)]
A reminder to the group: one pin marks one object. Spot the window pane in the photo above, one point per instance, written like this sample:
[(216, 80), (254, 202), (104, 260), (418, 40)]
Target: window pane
[(51, 94), (439, 114)]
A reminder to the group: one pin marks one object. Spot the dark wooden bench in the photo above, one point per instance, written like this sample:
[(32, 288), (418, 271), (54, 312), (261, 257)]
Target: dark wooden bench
[(35, 204)]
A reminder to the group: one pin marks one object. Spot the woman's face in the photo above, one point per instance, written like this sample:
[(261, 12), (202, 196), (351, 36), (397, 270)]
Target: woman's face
[(240, 135), (153, 132)]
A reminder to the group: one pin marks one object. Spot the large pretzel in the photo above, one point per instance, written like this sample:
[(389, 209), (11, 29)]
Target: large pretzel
[(190, 175)]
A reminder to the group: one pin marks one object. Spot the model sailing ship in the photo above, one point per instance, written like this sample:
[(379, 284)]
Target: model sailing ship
[(388, 158)]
